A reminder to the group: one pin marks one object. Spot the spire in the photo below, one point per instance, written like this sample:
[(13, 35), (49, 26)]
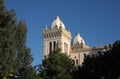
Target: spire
[(78, 34)]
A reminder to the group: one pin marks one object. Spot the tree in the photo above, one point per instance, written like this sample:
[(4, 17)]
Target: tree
[(103, 66), (116, 59), (24, 57), (7, 41), (15, 57), (57, 66)]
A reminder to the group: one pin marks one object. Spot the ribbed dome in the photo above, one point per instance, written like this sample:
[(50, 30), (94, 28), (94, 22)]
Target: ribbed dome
[(78, 40), (57, 23)]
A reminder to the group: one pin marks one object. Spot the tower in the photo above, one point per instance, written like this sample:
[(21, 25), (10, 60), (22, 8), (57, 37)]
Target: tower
[(57, 36)]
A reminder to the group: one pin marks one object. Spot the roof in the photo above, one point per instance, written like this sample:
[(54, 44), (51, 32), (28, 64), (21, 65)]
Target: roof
[(57, 24), (78, 40)]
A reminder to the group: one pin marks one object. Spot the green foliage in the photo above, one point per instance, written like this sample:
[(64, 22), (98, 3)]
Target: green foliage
[(57, 66), (15, 57), (2, 6), (24, 58), (23, 55), (7, 43), (105, 66)]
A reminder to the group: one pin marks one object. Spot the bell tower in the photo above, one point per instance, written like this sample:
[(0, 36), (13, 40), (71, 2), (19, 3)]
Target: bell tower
[(56, 37)]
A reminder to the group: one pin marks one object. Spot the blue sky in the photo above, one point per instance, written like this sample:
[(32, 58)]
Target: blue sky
[(98, 21)]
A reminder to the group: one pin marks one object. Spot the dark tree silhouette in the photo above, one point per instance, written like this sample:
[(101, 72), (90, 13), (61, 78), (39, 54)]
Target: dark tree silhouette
[(57, 66)]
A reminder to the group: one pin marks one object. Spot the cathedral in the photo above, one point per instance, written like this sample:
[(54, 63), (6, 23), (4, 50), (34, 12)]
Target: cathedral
[(57, 36)]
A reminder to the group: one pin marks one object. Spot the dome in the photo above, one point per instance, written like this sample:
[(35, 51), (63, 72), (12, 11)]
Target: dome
[(57, 23), (78, 40)]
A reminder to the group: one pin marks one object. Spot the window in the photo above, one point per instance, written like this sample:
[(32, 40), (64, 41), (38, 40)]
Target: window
[(56, 26), (76, 61), (85, 55), (75, 57), (77, 43), (54, 45), (45, 57), (50, 47)]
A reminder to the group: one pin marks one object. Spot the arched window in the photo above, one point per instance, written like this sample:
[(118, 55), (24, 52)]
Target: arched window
[(76, 61), (54, 45), (77, 43), (50, 47)]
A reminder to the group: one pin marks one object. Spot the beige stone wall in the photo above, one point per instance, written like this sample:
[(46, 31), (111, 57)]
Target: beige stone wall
[(78, 53), (61, 36)]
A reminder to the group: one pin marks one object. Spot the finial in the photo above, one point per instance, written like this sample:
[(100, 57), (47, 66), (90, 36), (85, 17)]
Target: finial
[(78, 34), (57, 17)]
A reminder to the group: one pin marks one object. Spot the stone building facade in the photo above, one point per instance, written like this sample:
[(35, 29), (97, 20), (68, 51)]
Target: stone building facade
[(57, 36)]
